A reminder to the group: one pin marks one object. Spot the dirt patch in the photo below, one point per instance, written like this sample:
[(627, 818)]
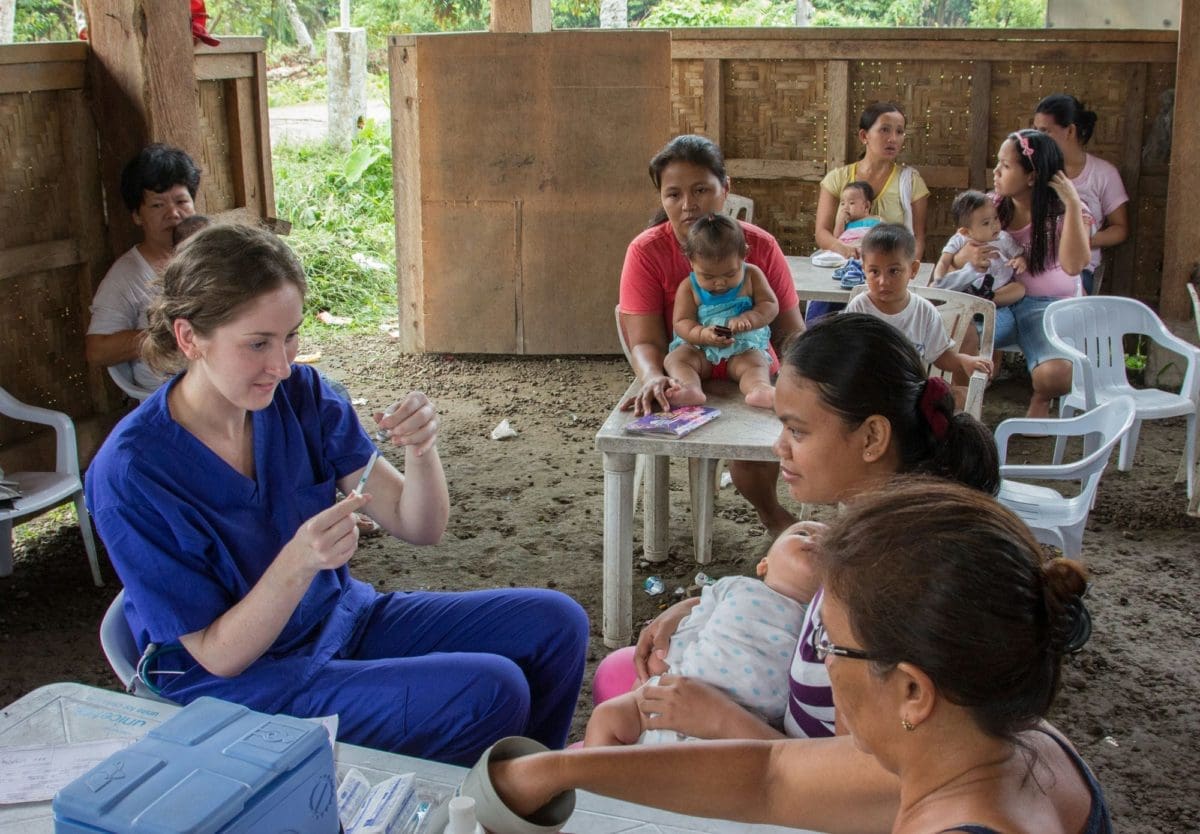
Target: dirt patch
[(528, 511)]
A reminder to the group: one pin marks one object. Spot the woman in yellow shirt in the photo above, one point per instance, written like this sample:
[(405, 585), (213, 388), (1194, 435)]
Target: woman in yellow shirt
[(901, 196), (900, 193)]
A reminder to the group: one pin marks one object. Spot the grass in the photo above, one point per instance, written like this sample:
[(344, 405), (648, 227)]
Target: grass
[(342, 214)]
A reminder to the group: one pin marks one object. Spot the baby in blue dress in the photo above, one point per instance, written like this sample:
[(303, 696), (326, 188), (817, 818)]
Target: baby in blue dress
[(722, 317)]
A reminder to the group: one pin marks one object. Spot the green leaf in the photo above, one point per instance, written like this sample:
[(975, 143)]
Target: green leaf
[(360, 159)]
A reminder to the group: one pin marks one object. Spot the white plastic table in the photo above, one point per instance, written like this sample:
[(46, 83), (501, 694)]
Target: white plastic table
[(742, 432), (815, 283), (72, 712)]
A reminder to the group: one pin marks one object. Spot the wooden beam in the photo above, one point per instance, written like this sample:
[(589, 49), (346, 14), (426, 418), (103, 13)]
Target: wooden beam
[(217, 67), (39, 257), (266, 173), (886, 49), (978, 135), (774, 169), (714, 101), (1182, 235), (837, 123), (144, 90), (406, 188), (35, 78), (35, 53), (907, 34), (1119, 271)]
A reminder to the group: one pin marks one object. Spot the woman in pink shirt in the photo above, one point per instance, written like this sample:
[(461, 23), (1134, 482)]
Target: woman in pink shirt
[(1063, 118), (689, 174), (1040, 208)]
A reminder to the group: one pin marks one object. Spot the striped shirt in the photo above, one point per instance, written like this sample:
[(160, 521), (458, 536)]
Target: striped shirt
[(810, 707)]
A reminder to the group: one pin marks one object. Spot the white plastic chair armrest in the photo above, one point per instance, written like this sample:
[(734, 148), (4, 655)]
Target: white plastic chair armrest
[(66, 459), (1083, 378)]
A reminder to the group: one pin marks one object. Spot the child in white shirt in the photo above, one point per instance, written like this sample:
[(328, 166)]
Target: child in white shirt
[(889, 261)]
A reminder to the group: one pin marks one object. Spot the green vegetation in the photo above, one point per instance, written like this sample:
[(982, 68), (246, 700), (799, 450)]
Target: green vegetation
[(54, 19), (341, 211)]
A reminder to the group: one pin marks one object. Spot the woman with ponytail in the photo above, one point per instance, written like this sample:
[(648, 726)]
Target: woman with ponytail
[(1064, 119), (857, 409), (1039, 206), (943, 633)]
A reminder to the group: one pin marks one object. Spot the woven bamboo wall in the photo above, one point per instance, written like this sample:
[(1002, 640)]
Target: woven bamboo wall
[(784, 105), (54, 248)]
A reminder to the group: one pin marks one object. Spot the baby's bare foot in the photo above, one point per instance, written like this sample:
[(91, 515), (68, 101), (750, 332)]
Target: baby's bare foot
[(686, 395), (761, 396)]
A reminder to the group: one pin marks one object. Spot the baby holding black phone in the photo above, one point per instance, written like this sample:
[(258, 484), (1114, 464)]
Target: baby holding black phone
[(722, 317)]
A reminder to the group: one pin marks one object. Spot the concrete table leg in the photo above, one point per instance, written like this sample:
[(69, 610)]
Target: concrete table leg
[(701, 473), (618, 549), (657, 509)]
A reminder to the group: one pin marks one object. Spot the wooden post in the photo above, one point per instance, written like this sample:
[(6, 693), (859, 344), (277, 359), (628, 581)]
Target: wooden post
[(406, 190), (520, 16), (1182, 236), (144, 90)]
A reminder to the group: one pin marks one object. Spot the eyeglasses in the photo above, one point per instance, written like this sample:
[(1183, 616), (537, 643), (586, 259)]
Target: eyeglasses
[(823, 648)]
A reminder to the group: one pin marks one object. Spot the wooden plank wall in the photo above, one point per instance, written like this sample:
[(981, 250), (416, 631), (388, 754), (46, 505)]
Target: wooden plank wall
[(236, 160), (517, 191), (54, 244), (784, 106)]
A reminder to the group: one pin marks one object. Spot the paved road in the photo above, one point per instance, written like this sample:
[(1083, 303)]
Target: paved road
[(301, 123)]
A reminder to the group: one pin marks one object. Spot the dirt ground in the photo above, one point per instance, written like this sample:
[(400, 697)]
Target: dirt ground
[(528, 511)]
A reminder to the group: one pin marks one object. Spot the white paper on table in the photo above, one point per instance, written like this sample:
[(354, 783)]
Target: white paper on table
[(35, 774)]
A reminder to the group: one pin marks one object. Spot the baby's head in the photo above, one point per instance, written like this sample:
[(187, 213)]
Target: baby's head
[(188, 226), (976, 216), (856, 199), (788, 568), (889, 260), (716, 247)]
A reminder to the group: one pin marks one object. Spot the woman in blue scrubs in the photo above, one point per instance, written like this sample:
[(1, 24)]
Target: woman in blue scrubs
[(216, 499)]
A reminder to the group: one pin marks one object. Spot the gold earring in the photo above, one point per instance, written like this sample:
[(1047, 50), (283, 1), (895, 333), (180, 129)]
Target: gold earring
[(907, 725)]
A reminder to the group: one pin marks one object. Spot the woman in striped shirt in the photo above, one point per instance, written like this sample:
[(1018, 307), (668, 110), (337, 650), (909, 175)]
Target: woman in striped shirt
[(857, 409)]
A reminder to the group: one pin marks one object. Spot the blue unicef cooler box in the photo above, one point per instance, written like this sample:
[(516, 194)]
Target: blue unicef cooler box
[(213, 767)]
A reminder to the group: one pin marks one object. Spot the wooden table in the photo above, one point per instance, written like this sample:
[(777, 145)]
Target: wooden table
[(742, 432), (815, 283)]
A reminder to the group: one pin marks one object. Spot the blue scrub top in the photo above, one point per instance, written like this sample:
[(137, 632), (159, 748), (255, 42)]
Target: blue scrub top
[(190, 536)]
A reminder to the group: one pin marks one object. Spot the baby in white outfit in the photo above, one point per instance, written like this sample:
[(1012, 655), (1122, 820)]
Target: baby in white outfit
[(740, 639)]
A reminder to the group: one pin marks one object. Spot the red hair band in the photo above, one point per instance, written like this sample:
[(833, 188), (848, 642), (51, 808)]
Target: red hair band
[(935, 390)]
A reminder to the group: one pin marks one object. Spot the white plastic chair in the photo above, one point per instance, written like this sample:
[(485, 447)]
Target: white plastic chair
[(958, 311), (1091, 331), (1054, 518), (121, 651), (1194, 504), (739, 208), (122, 374), (40, 490)]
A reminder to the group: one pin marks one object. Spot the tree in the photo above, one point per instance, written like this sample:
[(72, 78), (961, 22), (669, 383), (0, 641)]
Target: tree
[(303, 40), (8, 17), (614, 14)]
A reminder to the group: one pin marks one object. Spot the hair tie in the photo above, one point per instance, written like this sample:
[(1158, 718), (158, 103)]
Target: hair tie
[(1026, 148), (1078, 627), (934, 392)]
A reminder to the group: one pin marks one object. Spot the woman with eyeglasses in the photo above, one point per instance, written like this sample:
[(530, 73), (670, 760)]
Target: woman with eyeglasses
[(943, 633), (857, 409)]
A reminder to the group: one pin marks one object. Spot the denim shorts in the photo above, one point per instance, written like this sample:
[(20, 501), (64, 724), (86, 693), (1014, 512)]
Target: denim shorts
[(1025, 328)]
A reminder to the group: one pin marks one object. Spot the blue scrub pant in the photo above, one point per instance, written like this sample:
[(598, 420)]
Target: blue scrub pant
[(441, 675)]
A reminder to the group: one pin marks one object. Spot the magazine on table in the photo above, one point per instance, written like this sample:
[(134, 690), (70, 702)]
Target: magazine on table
[(674, 423)]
